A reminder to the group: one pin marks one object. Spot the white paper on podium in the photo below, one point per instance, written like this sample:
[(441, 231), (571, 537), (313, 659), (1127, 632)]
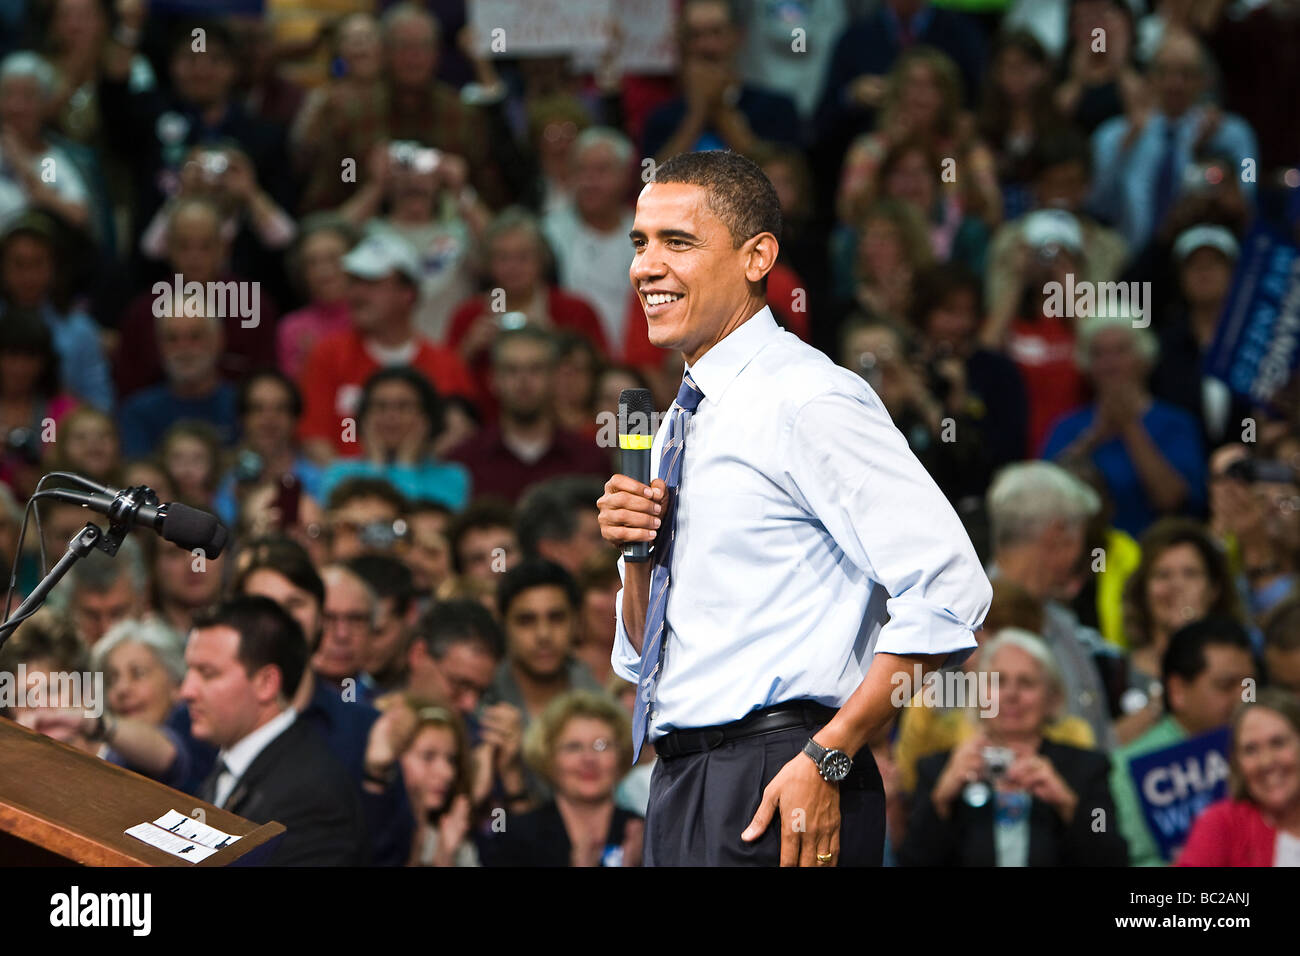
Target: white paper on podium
[(182, 836)]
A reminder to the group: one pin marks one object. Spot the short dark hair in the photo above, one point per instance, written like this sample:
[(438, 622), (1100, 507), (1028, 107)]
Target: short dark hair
[(289, 385), (1158, 539), (286, 558), (936, 284), (548, 511), (459, 621), (428, 397), (1062, 147), (423, 506), (353, 489), (268, 635), (24, 330), (482, 513), (536, 573), (387, 576), (1185, 655), (737, 191)]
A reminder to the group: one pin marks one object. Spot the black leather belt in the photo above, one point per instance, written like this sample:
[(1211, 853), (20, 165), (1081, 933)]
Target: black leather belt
[(770, 720)]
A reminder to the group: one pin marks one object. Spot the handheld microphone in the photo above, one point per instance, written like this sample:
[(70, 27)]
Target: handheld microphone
[(635, 407), (183, 526)]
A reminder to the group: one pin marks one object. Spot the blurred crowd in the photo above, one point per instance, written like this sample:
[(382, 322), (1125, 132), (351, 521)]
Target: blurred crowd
[(360, 287)]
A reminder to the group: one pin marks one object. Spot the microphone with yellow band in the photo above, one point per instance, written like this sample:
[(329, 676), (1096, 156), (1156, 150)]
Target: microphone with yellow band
[(635, 436)]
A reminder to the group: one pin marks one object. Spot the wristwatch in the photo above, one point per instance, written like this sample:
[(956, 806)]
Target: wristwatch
[(833, 765)]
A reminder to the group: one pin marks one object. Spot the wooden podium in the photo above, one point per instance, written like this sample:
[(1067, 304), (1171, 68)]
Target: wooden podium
[(61, 806)]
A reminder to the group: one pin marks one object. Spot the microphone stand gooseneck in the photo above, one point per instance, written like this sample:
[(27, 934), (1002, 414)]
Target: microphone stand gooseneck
[(86, 540)]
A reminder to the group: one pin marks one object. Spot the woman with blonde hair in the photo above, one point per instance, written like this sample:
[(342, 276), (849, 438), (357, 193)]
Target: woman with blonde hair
[(582, 745)]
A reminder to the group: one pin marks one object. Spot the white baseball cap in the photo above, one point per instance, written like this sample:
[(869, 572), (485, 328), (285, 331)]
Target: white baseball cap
[(379, 255), (1201, 237), (1052, 227)]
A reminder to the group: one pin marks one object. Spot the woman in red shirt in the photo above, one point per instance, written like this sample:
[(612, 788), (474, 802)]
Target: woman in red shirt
[(1259, 824)]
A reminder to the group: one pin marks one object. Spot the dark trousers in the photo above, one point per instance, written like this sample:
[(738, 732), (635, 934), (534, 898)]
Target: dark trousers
[(700, 803)]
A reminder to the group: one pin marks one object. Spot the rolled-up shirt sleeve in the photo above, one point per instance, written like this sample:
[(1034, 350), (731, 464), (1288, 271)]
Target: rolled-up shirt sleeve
[(625, 658), (853, 470)]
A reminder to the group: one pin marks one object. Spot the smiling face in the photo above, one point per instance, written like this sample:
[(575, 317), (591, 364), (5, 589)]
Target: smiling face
[(1267, 752), (585, 766), (1179, 590), (694, 284), (1024, 694), (138, 684)]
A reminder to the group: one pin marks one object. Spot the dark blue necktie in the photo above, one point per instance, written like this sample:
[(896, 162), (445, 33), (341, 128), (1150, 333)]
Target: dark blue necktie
[(1169, 180), (652, 647)]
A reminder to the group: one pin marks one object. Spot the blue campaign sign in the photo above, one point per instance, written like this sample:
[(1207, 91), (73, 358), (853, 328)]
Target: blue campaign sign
[(1175, 784), (1257, 343)]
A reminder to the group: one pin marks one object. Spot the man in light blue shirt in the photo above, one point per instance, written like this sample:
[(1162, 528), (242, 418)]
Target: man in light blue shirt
[(1142, 163), (807, 556)]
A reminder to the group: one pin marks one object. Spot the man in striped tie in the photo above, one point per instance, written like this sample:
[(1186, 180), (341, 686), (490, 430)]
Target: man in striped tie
[(803, 564)]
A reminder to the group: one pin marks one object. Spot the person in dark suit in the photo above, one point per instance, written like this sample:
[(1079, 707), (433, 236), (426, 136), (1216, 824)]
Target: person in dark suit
[(1007, 796), (245, 660)]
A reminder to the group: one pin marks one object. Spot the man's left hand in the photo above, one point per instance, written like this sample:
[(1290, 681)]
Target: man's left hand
[(810, 815)]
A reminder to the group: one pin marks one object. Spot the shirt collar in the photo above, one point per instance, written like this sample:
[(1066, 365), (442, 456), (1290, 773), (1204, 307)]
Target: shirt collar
[(241, 756), (719, 366)]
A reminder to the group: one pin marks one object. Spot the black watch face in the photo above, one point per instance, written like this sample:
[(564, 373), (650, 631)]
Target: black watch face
[(836, 766)]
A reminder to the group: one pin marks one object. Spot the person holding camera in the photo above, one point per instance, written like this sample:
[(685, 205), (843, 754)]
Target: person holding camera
[(927, 401), (518, 259), (1008, 796), (422, 196)]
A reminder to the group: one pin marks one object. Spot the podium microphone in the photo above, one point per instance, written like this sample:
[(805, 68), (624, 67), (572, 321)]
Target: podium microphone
[(183, 526), (635, 436)]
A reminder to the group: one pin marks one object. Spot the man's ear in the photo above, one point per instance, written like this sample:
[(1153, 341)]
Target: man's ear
[(760, 256), (1175, 692), (268, 683)]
